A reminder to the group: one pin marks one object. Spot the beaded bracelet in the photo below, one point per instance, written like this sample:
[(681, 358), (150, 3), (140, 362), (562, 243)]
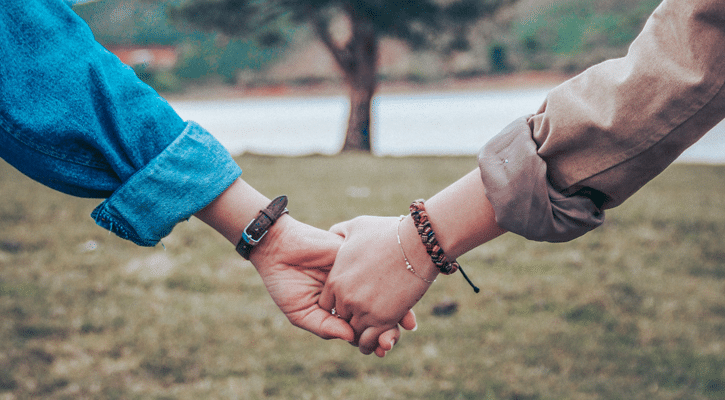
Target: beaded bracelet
[(428, 237)]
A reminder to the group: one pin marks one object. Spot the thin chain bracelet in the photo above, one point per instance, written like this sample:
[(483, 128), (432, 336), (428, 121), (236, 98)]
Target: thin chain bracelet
[(407, 264)]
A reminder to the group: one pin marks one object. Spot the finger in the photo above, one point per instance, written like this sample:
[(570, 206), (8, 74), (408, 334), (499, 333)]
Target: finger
[(337, 328), (358, 326), (369, 339), (320, 249), (326, 301), (409, 322), (327, 326), (387, 339)]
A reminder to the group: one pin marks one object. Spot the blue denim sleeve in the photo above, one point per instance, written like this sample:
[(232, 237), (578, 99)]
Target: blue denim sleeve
[(74, 118)]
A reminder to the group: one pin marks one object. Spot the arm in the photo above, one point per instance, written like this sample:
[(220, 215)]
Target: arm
[(598, 138), (73, 117), (377, 292), (602, 135)]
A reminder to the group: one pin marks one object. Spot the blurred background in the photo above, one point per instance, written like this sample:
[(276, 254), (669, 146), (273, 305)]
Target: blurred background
[(318, 77), (172, 50), (325, 76)]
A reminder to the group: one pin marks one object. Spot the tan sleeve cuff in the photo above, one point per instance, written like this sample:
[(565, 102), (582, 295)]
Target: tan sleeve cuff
[(525, 203)]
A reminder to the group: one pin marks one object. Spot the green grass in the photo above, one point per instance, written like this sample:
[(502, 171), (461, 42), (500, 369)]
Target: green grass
[(632, 310)]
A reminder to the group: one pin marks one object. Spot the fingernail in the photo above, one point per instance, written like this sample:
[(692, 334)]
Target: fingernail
[(415, 328), (392, 343)]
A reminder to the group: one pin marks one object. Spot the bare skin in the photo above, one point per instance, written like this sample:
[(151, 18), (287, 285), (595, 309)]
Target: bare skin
[(294, 260), (369, 283)]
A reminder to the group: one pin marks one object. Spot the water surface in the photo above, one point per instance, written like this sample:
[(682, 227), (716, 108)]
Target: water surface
[(411, 124)]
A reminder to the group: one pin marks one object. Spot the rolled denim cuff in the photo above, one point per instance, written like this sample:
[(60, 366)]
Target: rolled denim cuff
[(525, 203), (191, 172)]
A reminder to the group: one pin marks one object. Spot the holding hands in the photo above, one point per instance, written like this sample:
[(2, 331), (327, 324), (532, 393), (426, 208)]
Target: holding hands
[(370, 270), (294, 261)]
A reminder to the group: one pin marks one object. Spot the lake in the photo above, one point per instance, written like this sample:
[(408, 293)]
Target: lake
[(403, 124)]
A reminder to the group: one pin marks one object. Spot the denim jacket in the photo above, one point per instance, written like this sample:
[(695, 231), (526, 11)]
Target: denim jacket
[(76, 119)]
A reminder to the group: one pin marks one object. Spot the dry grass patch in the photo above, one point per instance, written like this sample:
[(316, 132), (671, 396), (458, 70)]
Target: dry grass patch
[(635, 309)]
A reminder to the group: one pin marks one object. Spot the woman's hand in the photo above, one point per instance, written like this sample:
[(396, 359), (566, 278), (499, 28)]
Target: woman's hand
[(369, 284)]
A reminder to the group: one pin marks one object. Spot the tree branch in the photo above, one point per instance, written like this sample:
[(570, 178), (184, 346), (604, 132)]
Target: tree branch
[(342, 55)]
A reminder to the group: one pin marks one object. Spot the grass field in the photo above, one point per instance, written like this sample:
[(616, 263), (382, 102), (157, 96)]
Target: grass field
[(632, 310)]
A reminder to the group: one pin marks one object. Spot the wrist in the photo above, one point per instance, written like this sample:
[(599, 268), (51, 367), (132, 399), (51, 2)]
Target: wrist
[(232, 210), (271, 243), (462, 217), (415, 250), (423, 225), (260, 225)]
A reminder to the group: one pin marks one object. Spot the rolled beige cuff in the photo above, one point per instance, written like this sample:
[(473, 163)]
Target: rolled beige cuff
[(602, 135), (525, 203)]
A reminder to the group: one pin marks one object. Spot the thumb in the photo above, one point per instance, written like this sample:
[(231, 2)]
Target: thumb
[(322, 323), (317, 248), (409, 322), (336, 328), (341, 229)]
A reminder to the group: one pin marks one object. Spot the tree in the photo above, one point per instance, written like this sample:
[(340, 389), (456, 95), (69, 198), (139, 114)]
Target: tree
[(421, 23)]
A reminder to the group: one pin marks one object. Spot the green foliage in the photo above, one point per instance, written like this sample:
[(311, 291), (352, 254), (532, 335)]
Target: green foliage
[(163, 81), (571, 28), (420, 23), (129, 22), (563, 35), (498, 56), (203, 56), (210, 57)]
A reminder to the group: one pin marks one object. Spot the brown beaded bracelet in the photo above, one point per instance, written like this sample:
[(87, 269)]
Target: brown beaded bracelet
[(428, 237)]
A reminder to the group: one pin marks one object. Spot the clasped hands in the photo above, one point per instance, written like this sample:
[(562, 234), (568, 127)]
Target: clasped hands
[(357, 269)]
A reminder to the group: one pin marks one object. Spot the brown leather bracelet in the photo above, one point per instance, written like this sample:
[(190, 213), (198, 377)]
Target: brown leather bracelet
[(258, 227), (436, 253), (428, 237)]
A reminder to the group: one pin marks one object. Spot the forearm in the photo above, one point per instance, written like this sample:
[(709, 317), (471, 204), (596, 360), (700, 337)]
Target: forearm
[(230, 213), (602, 135), (461, 217)]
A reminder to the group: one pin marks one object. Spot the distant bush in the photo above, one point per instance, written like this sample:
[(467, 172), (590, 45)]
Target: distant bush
[(570, 34), (162, 81)]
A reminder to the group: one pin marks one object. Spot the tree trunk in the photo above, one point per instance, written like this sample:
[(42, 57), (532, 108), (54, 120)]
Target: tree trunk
[(357, 136), (358, 61), (361, 76)]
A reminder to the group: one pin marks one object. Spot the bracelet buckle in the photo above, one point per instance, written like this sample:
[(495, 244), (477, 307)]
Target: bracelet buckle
[(259, 226)]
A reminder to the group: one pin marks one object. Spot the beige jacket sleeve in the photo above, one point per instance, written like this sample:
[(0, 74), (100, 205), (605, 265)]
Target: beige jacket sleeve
[(602, 135)]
